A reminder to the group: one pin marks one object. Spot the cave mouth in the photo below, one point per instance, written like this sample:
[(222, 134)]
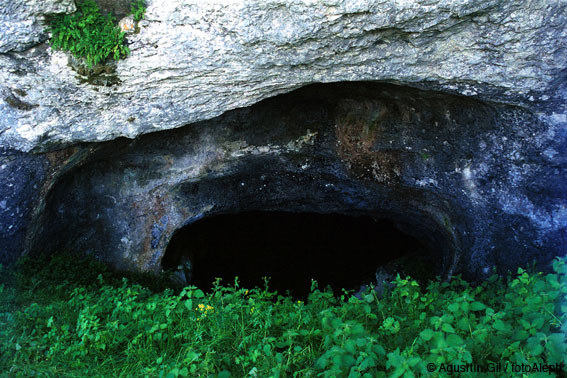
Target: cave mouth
[(339, 251)]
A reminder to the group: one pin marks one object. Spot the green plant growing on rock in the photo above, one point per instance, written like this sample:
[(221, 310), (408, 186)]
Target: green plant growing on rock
[(138, 9), (87, 34)]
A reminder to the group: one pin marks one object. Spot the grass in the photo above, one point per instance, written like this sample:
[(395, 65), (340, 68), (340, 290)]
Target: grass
[(68, 316), (89, 35)]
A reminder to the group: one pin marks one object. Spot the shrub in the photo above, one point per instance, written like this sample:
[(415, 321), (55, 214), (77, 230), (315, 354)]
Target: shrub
[(107, 326), (88, 34)]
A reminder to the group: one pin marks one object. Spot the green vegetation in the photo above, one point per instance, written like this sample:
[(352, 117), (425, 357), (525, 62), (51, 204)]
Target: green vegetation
[(138, 9), (89, 35), (68, 317)]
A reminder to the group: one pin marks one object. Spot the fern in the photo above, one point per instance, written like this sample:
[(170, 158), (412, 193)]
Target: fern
[(88, 34), (138, 9)]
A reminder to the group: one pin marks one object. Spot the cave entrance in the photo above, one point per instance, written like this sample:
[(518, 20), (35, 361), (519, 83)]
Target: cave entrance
[(291, 248)]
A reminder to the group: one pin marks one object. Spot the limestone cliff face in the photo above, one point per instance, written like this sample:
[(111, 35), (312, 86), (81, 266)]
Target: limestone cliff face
[(194, 60), (453, 124), (22, 22)]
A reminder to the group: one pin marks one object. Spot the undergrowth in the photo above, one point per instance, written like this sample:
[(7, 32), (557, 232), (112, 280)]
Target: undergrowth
[(89, 35), (69, 317)]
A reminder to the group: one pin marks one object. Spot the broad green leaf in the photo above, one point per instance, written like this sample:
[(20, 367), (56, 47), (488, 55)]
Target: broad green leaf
[(477, 306), (446, 327), (426, 334), (499, 325), (454, 340), (189, 304)]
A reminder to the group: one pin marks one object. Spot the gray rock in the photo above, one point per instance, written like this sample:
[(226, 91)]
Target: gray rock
[(21, 180), (177, 278), (194, 60), (22, 22), (380, 286)]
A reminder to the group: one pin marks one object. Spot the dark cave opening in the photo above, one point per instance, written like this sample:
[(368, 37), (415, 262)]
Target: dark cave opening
[(337, 250)]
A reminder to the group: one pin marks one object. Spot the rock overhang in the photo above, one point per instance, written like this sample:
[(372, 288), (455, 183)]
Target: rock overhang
[(194, 60)]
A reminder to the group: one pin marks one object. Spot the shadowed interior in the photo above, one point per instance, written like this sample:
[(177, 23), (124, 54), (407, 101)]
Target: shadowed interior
[(291, 248)]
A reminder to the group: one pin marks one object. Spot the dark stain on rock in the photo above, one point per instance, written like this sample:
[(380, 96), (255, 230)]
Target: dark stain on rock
[(103, 74), (118, 8), (17, 103), (357, 133), (20, 92)]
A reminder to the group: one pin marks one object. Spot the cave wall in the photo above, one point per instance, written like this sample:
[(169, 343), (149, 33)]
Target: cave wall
[(22, 175), (466, 177)]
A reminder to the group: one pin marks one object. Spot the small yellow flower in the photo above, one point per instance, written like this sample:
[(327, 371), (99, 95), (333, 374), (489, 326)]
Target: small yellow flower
[(205, 310), (201, 307)]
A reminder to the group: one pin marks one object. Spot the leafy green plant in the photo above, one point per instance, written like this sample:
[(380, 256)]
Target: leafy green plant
[(88, 34), (138, 9), (71, 317)]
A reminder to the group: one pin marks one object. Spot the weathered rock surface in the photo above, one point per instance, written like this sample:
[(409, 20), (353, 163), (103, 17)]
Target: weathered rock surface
[(194, 60), (469, 179), (22, 177), (22, 22)]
